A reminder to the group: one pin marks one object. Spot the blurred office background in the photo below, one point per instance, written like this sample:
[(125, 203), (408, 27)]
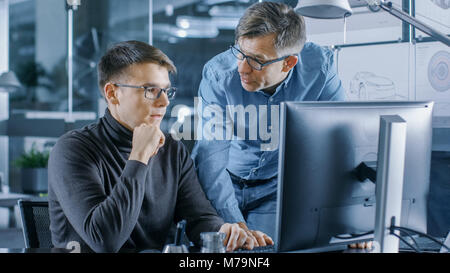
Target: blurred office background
[(380, 58)]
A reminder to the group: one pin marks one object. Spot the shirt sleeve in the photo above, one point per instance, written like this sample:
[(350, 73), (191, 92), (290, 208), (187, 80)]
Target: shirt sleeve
[(333, 89), (192, 204), (211, 154), (103, 221)]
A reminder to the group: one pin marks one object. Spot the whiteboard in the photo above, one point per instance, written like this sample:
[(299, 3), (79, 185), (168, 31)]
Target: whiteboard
[(376, 72), (400, 71), (432, 79)]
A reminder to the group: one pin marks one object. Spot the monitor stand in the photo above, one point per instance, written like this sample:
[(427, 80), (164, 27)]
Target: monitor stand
[(389, 182)]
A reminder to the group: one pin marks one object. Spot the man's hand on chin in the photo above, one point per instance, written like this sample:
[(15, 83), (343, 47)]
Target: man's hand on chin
[(147, 139)]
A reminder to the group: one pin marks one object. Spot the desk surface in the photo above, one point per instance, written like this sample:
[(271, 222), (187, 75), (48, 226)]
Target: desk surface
[(10, 199), (63, 250), (34, 250)]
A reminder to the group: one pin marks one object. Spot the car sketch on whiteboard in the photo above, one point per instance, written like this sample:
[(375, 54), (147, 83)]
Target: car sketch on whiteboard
[(368, 86)]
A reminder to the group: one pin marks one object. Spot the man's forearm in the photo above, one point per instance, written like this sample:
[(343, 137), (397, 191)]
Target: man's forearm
[(103, 222), (105, 230)]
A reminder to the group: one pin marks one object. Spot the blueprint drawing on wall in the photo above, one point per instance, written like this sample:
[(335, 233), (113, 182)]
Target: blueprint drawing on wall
[(377, 72), (433, 79)]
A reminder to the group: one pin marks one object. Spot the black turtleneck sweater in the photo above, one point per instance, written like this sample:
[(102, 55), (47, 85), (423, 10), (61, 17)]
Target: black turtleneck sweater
[(107, 203)]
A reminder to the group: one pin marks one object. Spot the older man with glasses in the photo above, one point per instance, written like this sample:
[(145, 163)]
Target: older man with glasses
[(269, 63), (121, 183)]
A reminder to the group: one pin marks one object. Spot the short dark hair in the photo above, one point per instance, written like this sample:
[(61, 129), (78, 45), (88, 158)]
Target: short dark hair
[(265, 18), (124, 54)]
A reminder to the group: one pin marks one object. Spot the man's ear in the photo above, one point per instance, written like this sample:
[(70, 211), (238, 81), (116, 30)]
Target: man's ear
[(110, 91), (289, 63)]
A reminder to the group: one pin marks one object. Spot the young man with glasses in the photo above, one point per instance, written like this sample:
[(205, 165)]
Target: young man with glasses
[(269, 63), (120, 183)]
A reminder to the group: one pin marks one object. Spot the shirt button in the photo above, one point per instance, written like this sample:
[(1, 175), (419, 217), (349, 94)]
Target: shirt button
[(271, 99)]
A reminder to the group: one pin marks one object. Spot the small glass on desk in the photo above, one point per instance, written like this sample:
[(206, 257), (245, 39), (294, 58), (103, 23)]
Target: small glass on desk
[(212, 242)]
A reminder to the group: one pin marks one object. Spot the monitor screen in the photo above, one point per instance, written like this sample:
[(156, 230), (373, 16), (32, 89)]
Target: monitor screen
[(320, 198)]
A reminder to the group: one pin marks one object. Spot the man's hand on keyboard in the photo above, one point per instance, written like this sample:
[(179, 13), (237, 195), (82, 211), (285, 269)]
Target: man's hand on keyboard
[(235, 237), (259, 238), (361, 245)]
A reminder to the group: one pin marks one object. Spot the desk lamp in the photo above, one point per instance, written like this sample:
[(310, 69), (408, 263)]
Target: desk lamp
[(333, 9), (9, 82), (324, 9)]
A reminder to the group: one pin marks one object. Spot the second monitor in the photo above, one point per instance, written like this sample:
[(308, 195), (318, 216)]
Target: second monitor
[(320, 198)]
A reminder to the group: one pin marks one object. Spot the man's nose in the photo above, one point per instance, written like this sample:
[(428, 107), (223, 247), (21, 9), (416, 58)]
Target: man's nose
[(162, 101), (244, 67)]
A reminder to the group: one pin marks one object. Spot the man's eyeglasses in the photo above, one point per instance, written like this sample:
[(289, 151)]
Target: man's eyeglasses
[(152, 92), (252, 62)]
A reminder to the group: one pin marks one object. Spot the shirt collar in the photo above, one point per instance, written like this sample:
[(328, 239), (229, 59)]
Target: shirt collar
[(283, 84), (288, 78)]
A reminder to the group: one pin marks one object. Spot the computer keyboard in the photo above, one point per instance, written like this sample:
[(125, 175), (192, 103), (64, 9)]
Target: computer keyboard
[(424, 244), (258, 249)]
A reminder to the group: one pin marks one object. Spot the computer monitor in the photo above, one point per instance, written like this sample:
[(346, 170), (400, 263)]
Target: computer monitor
[(320, 198)]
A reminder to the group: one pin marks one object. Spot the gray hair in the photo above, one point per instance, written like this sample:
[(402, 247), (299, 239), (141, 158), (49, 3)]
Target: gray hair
[(265, 18)]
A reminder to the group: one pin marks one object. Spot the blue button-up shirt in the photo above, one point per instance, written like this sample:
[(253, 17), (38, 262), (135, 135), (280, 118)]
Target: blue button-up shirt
[(247, 145)]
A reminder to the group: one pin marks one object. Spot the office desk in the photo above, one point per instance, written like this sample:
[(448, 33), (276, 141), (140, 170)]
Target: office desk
[(50, 250), (9, 201), (34, 250), (63, 250)]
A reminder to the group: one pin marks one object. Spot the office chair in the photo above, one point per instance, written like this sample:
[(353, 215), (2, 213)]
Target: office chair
[(35, 224)]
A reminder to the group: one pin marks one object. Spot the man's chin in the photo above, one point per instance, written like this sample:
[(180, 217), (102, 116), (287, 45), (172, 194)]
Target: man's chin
[(156, 123), (151, 121), (249, 88)]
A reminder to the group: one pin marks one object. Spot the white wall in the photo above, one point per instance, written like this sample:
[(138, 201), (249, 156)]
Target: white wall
[(4, 66)]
